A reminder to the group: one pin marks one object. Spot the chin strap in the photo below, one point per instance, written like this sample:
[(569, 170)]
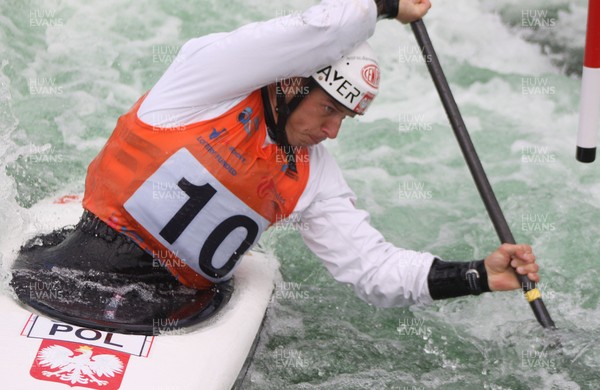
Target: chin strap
[(276, 129)]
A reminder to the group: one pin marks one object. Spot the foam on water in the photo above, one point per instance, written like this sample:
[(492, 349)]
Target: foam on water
[(557, 26), (517, 88), (8, 124), (525, 135)]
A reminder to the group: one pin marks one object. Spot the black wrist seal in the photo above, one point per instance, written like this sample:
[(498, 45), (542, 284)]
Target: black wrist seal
[(387, 9), (455, 279)]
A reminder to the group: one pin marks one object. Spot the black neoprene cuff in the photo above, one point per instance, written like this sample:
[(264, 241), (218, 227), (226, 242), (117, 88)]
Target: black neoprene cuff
[(455, 279), (387, 9)]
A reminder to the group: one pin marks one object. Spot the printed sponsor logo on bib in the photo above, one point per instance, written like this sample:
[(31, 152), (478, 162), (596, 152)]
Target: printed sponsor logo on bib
[(207, 226)]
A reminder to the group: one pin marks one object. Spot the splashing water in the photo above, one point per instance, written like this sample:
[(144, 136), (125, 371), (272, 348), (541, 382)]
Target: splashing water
[(70, 69)]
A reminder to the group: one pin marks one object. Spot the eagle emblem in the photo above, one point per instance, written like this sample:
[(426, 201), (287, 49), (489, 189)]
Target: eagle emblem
[(81, 366)]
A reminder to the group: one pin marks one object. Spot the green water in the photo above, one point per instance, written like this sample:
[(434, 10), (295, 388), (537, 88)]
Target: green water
[(70, 69)]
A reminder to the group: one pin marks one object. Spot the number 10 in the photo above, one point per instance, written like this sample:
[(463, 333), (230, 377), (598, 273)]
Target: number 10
[(199, 197)]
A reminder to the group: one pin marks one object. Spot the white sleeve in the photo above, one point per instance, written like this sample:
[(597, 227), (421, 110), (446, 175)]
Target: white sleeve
[(222, 67), (352, 250)]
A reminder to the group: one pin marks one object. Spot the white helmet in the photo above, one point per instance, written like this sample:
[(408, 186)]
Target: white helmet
[(353, 80)]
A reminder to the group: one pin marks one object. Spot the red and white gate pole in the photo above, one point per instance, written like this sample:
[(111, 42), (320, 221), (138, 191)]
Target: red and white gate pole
[(589, 110)]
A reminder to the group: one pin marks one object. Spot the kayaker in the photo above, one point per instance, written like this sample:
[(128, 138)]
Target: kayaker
[(228, 142)]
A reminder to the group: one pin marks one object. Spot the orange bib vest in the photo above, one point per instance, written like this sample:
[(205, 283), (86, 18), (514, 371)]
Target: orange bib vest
[(198, 196)]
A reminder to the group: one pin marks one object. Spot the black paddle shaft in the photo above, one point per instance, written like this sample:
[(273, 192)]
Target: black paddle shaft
[(473, 162)]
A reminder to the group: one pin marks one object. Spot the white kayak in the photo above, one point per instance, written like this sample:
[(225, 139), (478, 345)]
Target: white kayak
[(41, 353)]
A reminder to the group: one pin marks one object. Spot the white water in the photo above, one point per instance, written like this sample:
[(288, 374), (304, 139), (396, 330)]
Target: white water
[(518, 91)]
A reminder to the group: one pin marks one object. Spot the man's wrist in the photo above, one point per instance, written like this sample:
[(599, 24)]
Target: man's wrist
[(455, 279), (387, 9)]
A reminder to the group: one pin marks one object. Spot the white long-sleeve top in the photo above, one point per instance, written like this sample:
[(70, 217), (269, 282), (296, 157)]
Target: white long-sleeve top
[(212, 74)]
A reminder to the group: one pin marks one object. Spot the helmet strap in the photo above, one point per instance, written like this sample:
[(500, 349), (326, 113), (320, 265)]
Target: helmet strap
[(284, 109)]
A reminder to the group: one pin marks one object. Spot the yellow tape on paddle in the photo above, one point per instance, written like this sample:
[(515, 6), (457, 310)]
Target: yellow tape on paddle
[(533, 294)]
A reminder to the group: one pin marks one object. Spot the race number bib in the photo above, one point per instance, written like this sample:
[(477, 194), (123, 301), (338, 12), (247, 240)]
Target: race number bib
[(194, 216)]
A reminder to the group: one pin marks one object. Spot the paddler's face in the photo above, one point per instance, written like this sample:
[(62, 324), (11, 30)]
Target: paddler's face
[(316, 118)]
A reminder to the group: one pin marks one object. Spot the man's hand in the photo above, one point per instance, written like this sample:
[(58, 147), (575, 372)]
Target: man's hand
[(502, 263), (411, 10)]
